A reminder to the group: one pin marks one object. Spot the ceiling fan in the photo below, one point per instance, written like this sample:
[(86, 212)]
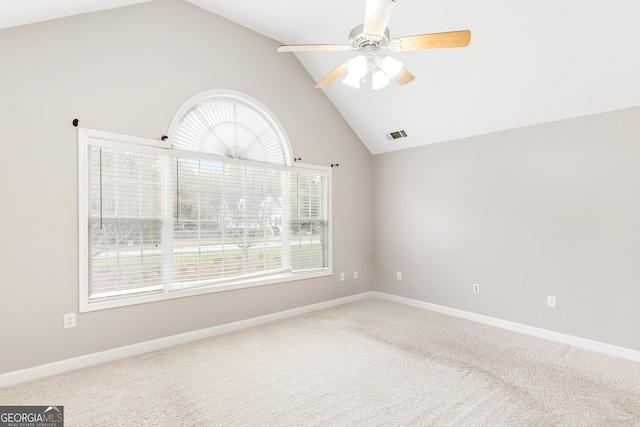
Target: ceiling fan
[(369, 39)]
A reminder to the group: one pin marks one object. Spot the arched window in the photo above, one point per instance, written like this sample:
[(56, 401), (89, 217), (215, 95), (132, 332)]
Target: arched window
[(230, 124), (218, 206)]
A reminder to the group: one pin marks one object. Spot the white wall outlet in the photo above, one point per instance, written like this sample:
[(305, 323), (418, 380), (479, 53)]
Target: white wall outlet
[(70, 320), (342, 277), (476, 288), (551, 301), (398, 276), (355, 274)]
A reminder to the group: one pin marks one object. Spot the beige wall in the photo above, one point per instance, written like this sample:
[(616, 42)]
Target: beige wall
[(545, 210), (128, 71)]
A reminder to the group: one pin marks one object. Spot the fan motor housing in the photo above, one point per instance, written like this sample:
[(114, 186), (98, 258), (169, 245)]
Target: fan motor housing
[(358, 39)]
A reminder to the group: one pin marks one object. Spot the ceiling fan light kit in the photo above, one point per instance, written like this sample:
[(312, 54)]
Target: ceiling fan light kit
[(383, 68), (372, 36)]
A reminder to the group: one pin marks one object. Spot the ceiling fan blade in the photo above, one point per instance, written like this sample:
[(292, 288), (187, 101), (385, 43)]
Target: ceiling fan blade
[(329, 78), (313, 47), (376, 16), (431, 41), (404, 77)]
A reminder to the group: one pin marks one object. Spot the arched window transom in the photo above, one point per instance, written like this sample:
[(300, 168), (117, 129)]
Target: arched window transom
[(230, 124)]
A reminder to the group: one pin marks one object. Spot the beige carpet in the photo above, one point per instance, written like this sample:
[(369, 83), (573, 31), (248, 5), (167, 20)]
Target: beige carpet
[(370, 363)]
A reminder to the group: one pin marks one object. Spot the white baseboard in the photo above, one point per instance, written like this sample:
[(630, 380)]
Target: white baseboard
[(15, 377), (599, 347)]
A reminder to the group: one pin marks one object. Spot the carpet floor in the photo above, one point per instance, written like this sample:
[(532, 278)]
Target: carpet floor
[(368, 363)]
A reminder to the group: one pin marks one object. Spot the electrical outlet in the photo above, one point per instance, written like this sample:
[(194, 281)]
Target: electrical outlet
[(551, 301), (355, 274), (476, 288), (398, 276), (70, 320), (342, 277)]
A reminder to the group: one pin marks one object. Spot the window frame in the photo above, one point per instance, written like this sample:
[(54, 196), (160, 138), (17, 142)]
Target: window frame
[(88, 137)]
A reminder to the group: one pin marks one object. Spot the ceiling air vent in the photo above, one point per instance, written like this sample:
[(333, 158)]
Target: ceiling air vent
[(396, 135)]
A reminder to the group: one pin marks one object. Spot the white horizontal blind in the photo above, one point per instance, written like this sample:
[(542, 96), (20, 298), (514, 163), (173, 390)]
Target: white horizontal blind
[(309, 220), (125, 208), (159, 223), (226, 221)]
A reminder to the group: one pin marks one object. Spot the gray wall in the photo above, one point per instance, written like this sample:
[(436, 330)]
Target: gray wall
[(128, 71), (545, 210)]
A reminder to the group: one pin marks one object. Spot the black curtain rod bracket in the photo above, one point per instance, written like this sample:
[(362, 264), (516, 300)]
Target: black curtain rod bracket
[(75, 122)]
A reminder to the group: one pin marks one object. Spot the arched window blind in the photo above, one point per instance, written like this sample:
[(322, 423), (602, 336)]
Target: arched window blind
[(229, 125)]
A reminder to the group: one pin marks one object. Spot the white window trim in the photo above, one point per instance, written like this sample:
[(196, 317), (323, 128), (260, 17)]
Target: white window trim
[(85, 138)]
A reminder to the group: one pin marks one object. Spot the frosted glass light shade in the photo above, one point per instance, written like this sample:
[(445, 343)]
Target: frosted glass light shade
[(352, 80), (379, 80), (357, 69), (390, 66), (358, 66)]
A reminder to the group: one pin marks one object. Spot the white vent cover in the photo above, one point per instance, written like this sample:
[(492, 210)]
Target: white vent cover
[(396, 135)]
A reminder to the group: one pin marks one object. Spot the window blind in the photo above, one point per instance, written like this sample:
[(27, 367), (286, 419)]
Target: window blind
[(226, 221), (126, 202), (309, 221), (229, 127), (164, 222)]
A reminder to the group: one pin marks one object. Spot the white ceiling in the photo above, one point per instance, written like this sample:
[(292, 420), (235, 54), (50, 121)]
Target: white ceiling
[(527, 63)]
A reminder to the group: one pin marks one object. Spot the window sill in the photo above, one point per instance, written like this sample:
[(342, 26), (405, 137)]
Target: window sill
[(103, 304)]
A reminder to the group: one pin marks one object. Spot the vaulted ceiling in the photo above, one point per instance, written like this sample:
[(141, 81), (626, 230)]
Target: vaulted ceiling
[(527, 63)]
